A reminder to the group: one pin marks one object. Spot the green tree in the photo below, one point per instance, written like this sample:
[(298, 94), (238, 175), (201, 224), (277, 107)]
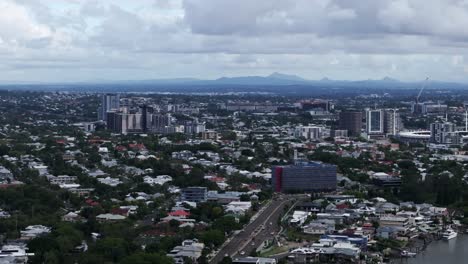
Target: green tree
[(113, 249), (226, 223), (164, 245), (52, 257), (41, 247), (226, 260), (213, 238)]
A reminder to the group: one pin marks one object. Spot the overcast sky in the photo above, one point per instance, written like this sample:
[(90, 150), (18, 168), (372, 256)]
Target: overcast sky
[(79, 40)]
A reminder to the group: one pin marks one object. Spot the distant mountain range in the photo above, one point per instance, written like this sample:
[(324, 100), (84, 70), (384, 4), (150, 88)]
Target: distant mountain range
[(272, 79), (281, 79), (275, 79)]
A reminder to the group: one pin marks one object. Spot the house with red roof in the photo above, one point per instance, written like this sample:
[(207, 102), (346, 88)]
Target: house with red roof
[(91, 202), (61, 141), (137, 147), (94, 141), (121, 148), (342, 206), (180, 214), (215, 179)]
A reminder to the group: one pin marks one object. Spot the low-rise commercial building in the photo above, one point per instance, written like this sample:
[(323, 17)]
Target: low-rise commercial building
[(194, 194)]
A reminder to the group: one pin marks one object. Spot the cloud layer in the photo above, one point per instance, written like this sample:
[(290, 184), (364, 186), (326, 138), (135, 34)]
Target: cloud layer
[(76, 40)]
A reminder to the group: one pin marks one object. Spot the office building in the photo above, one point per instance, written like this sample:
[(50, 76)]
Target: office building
[(194, 194), (444, 133), (375, 122), (146, 118), (109, 102), (86, 126), (113, 121), (140, 120), (160, 121), (385, 180), (194, 127), (393, 124), (133, 122), (209, 134), (304, 177), (316, 105), (429, 108), (416, 107), (434, 108), (308, 132), (124, 123), (352, 122)]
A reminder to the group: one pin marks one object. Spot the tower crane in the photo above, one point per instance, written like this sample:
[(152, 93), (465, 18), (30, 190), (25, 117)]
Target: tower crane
[(416, 107), (422, 89)]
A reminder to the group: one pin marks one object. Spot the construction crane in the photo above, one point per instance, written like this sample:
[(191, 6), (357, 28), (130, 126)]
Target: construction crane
[(422, 89), (416, 109)]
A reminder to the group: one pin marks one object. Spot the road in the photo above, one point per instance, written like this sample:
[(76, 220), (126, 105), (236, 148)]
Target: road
[(263, 227)]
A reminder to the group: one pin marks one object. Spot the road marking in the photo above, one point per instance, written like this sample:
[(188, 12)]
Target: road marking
[(264, 223)]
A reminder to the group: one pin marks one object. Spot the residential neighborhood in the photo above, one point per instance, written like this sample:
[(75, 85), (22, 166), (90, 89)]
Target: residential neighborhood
[(90, 178)]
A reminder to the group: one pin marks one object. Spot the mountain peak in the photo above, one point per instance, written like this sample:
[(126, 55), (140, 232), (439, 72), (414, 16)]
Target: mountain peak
[(282, 76), (388, 79)]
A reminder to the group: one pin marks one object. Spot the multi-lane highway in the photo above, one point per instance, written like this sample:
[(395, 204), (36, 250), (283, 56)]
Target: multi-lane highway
[(263, 227)]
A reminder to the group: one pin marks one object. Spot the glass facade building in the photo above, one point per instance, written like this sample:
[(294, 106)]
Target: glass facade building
[(352, 122), (304, 177), (375, 122)]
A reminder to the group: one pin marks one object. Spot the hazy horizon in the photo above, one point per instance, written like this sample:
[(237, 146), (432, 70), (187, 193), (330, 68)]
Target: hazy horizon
[(269, 78)]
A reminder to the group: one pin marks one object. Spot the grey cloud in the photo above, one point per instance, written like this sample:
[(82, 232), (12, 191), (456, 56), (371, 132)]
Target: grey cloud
[(328, 17), (120, 29), (230, 16), (93, 9), (212, 37), (278, 17)]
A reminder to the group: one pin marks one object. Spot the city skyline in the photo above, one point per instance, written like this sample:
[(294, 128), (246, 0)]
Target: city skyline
[(220, 177), (233, 131), (87, 40)]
